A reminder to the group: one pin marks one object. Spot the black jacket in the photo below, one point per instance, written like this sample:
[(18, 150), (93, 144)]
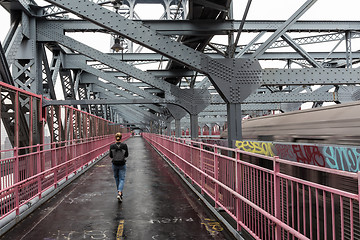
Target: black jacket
[(119, 145)]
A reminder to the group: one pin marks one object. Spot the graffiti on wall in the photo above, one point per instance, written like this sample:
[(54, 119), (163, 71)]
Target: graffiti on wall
[(308, 154), (263, 148), (343, 158), (335, 157)]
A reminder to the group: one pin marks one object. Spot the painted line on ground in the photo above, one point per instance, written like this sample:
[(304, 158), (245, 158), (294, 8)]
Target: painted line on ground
[(120, 230)]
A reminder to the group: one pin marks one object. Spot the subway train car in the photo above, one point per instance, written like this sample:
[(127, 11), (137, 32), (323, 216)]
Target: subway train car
[(335, 124)]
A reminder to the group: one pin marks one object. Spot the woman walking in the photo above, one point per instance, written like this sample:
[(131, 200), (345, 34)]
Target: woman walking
[(118, 153)]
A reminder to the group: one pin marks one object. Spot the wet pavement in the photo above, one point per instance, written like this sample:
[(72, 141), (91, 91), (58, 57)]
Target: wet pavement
[(157, 205)]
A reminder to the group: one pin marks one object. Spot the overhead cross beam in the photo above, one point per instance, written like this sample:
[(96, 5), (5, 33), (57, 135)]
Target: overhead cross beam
[(134, 31)]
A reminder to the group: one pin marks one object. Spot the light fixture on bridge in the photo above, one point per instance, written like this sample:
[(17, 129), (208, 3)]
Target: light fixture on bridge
[(118, 44), (116, 4)]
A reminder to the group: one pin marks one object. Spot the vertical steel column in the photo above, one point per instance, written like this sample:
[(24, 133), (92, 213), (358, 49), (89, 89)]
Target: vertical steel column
[(231, 33), (168, 127), (167, 9), (234, 118), (177, 128), (348, 36), (194, 126), (131, 16)]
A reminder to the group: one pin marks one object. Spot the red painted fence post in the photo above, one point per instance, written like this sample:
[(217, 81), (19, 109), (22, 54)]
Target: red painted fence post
[(38, 168), (277, 196), (359, 191), (202, 168), (216, 175), (238, 181), (16, 179)]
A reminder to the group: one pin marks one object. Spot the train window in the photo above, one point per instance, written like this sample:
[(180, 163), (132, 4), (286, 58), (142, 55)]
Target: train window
[(308, 140), (268, 138)]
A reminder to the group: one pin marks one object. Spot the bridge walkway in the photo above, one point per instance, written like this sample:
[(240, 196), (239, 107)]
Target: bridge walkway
[(157, 205)]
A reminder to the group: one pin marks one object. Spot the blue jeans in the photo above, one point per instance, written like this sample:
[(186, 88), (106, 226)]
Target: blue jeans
[(119, 175)]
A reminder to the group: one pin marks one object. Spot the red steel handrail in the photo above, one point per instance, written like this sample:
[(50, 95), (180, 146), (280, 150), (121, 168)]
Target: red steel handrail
[(266, 203)]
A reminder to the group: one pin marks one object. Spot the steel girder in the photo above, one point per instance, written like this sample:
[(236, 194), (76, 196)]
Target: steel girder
[(283, 28), (5, 75), (294, 78), (137, 58), (134, 31), (173, 93), (265, 73), (140, 112), (283, 97), (116, 101), (130, 114), (310, 76), (154, 41), (117, 82), (13, 41), (122, 93), (301, 51)]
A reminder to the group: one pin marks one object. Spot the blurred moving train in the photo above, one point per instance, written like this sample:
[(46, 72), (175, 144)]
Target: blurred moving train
[(335, 124)]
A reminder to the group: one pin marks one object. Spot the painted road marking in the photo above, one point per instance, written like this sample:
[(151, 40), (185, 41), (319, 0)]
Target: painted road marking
[(120, 230), (100, 165), (212, 226)]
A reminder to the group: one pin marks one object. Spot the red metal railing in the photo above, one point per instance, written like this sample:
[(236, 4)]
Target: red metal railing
[(44, 147), (266, 202), (24, 177)]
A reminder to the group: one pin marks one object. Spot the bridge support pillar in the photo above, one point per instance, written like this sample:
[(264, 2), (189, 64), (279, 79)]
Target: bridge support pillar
[(194, 126), (168, 127), (234, 118), (178, 113), (177, 128), (234, 79)]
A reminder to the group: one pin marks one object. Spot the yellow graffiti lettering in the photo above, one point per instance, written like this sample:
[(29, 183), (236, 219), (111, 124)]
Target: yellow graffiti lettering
[(264, 148)]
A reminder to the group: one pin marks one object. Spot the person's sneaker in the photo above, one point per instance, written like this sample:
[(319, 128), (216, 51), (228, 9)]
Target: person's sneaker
[(119, 197)]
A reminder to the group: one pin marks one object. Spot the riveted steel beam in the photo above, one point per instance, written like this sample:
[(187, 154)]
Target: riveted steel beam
[(310, 76), (104, 101), (47, 35), (5, 75), (301, 51), (195, 28), (281, 30), (121, 93), (280, 97), (138, 110), (173, 93), (134, 31)]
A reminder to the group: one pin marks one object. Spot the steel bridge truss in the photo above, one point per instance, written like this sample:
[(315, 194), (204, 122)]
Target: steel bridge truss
[(196, 81)]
